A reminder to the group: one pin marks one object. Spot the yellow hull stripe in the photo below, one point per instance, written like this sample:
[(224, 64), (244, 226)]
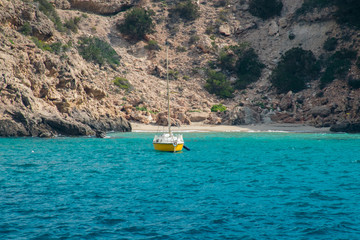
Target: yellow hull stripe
[(168, 147)]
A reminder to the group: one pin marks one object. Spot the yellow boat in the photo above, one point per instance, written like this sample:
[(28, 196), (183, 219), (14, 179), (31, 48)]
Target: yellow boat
[(168, 142)]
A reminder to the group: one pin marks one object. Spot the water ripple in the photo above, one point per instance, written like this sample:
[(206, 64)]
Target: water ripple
[(229, 186)]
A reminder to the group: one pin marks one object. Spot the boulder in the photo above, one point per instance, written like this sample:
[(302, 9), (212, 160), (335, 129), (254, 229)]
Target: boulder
[(241, 115), (286, 102), (68, 128), (322, 111), (225, 30), (94, 92), (213, 119), (273, 28), (10, 128), (204, 44), (183, 118), (161, 120), (198, 116), (346, 127), (104, 7)]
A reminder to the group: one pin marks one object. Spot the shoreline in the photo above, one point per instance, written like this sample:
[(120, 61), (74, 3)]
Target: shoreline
[(200, 127)]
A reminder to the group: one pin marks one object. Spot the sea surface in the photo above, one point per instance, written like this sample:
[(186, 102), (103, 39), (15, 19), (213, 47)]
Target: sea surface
[(229, 186)]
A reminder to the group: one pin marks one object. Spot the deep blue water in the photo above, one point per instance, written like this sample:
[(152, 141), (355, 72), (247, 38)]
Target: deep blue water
[(229, 186)]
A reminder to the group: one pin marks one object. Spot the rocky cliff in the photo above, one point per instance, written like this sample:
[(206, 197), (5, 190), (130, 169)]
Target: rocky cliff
[(47, 91)]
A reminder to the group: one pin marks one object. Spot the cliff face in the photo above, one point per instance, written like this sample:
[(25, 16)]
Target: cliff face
[(44, 93)]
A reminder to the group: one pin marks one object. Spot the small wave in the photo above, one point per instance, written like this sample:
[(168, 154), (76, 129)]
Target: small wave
[(112, 221)]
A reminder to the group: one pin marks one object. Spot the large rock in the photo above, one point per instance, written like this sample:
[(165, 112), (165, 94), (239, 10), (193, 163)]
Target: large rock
[(242, 116), (68, 128), (225, 30), (346, 127), (273, 28), (198, 116), (10, 128), (104, 7), (322, 111), (204, 44), (286, 102)]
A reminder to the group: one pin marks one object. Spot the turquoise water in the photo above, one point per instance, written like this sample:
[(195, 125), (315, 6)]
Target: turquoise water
[(229, 186)]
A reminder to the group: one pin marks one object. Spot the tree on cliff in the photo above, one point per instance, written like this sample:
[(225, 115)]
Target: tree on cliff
[(265, 9), (137, 23), (296, 67)]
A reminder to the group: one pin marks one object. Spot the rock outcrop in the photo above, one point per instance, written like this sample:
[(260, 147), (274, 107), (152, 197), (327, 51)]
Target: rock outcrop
[(346, 127), (104, 7)]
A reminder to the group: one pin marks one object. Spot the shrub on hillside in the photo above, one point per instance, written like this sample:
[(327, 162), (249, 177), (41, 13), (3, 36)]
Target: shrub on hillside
[(95, 50), (123, 83), (295, 68), (330, 44), (138, 22), (243, 62), (310, 5), (265, 9), (26, 29), (218, 84), (337, 66), (218, 108), (348, 12), (358, 63), (153, 45), (187, 10), (248, 68), (56, 47), (48, 9), (354, 83), (72, 24)]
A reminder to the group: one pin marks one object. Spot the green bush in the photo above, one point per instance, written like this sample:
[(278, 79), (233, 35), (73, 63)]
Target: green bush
[(310, 5), (218, 84), (181, 49), (173, 74), (48, 9), (194, 39), (348, 12), (153, 45), (56, 47), (243, 62), (330, 44), (221, 3), (295, 69), (265, 9), (137, 23), (248, 68), (354, 83), (95, 50), (72, 24), (218, 108), (358, 63), (26, 29), (226, 59), (337, 66), (187, 10), (123, 83)]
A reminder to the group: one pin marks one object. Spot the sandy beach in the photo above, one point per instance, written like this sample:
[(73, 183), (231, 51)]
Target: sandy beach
[(200, 127)]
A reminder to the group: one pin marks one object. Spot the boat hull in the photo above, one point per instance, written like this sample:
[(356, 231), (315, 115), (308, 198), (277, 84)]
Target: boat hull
[(168, 147)]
